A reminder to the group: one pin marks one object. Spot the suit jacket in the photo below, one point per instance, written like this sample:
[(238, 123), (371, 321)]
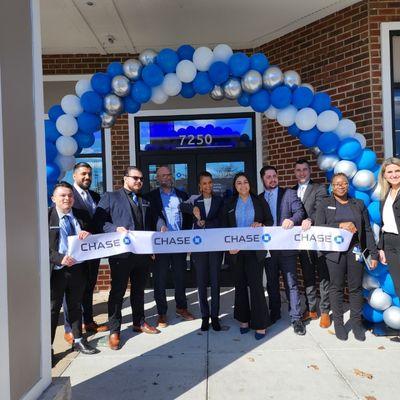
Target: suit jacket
[(262, 214), (157, 210), (83, 218), (325, 216), (79, 203), (396, 212), (312, 197)]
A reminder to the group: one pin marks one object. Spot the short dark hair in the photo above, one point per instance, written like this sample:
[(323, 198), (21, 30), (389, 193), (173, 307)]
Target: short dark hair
[(131, 168), (236, 177), (342, 174), (82, 165), (203, 174), (63, 184), (266, 168), (302, 161)]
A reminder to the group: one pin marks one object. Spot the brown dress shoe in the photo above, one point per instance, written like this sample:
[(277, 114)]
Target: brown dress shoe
[(102, 328), (145, 328), (162, 321), (310, 315), (69, 338), (90, 327), (185, 314), (113, 341), (325, 321)]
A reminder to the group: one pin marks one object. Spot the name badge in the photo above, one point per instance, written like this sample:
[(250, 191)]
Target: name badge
[(331, 208), (54, 227)]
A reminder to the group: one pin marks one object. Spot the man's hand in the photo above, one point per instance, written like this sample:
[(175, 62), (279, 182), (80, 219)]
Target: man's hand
[(256, 225), (201, 223), (121, 229), (68, 261), (306, 224), (382, 257), (373, 264), (164, 229), (348, 226), (83, 235), (287, 224), (196, 212), (233, 251)]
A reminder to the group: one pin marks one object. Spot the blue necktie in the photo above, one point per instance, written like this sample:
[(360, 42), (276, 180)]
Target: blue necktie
[(69, 227), (135, 199)]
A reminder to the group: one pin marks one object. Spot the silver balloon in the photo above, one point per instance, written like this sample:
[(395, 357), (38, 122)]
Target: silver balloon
[(120, 85), (147, 56), (107, 120), (217, 93), (112, 104), (326, 162), (349, 168), (252, 81), (232, 89), (376, 192), (291, 79), (272, 77), (364, 180), (308, 85), (379, 300), (391, 316), (132, 69), (316, 150), (370, 282)]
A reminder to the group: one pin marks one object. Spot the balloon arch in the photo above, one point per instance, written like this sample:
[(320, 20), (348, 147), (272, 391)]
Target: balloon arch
[(251, 81)]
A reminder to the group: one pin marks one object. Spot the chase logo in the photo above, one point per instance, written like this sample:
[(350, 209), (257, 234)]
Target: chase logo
[(338, 239), (126, 240), (197, 240), (266, 237)]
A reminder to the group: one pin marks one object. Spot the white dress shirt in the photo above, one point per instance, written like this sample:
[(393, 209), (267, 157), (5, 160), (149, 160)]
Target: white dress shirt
[(388, 220)]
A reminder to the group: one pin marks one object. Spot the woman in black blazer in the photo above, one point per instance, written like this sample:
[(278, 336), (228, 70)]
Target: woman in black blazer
[(341, 211), (244, 209), (389, 239), (206, 210)]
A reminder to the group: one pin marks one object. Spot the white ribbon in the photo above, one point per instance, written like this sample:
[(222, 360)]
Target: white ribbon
[(220, 239)]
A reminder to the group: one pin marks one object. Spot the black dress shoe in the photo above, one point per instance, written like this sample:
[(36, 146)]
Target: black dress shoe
[(340, 330), (215, 324), (299, 328), (359, 332), (83, 347), (205, 324)]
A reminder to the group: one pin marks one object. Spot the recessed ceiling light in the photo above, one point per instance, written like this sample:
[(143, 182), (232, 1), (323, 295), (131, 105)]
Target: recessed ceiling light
[(89, 3)]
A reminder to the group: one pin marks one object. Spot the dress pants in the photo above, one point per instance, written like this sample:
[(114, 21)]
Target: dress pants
[(136, 268), (248, 275), (391, 246), (337, 271), (279, 262), (310, 263), (68, 282), (160, 274), (208, 268)]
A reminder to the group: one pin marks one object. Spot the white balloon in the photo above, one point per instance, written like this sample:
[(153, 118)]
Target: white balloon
[(346, 128), (370, 282), (306, 119), (391, 316), (376, 230), (171, 84), (158, 96), (307, 85), (186, 71), (65, 162), (222, 52), (376, 192), (327, 121), (364, 180), (67, 125), (286, 116), (379, 300), (326, 162), (83, 86), (361, 139), (349, 168), (271, 113), (203, 57), (71, 105), (66, 146)]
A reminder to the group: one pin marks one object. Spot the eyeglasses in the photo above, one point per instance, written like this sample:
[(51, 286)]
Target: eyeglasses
[(136, 178), (342, 184)]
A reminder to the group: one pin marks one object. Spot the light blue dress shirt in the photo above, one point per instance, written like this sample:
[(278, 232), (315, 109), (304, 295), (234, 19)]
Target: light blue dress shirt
[(170, 202), (271, 196), (244, 212)]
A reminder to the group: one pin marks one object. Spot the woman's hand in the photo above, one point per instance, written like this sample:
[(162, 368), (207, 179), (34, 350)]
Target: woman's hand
[(256, 225), (83, 235), (196, 213), (348, 226), (373, 264), (201, 223), (382, 257), (233, 251)]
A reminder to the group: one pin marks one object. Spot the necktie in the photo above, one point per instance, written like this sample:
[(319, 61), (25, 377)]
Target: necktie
[(302, 189), (87, 201), (69, 227), (269, 197), (135, 199)]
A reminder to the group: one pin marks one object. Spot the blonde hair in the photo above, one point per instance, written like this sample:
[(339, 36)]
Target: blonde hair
[(385, 185)]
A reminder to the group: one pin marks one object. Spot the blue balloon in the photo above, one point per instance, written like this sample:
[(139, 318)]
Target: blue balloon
[(52, 171), (376, 170), (337, 111), (378, 271), (349, 149), (281, 97), (387, 283), (375, 212), (152, 75), (167, 59), (88, 122), (259, 62), (260, 101), (351, 190), (78, 151), (309, 138), (92, 102), (202, 84), (185, 52), (372, 315), (321, 102), (219, 72), (302, 97), (366, 160), (329, 174), (114, 69), (362, 196), (244, 99), (51, 151), (130, 105), (84, 139), (55, 112), (140, 92), (365, 293), (187, 91), (294, 130), (239, 64), (101, 83), (328, 142), (50, 130), (396, 301)]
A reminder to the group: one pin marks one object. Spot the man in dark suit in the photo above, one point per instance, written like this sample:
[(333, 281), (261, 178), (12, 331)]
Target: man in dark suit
[(311, 194), (67, 277), (164, 202), (122, 211), (287, 211)]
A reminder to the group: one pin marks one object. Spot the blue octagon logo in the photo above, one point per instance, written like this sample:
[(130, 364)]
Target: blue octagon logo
[(266, 237), (197, 240), (126, 240), (338, 239)]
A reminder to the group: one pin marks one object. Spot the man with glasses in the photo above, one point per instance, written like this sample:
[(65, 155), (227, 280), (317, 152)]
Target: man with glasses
[(121, 211)]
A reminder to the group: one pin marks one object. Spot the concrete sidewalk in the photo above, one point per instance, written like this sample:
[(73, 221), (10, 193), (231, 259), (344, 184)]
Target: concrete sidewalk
[(184, 363)]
